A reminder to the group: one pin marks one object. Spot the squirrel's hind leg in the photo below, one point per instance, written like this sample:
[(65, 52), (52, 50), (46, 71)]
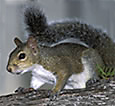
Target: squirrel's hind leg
[(90, 60)]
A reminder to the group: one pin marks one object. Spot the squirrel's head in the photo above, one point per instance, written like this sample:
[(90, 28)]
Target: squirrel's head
[(24, 56)]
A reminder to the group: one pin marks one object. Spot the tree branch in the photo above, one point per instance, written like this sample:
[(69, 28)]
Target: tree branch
[(99, 94)]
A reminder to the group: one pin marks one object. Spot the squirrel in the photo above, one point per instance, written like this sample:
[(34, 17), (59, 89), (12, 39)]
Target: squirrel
[(54, 60)]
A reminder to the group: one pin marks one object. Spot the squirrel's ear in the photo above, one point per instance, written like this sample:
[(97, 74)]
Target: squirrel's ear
[(17, 41), (32, 44)]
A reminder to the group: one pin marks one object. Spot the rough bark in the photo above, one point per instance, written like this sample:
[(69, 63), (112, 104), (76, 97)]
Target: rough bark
[(99, 94)]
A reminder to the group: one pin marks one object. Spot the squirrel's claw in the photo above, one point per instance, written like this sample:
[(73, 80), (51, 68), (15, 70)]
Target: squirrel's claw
[(23, 90), (91, 82)]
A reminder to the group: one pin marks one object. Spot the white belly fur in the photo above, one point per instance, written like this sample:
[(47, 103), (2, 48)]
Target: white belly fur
[(41, 76)]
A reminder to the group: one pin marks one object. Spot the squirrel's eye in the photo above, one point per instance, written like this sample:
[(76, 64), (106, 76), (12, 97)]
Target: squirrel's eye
[(22, 56)]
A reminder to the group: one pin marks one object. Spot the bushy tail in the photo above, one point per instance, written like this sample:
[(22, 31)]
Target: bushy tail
[(35, 20), (56, 32)]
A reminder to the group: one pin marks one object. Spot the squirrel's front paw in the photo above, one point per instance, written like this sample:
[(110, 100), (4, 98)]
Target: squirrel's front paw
[(91, 82), (23, 90)]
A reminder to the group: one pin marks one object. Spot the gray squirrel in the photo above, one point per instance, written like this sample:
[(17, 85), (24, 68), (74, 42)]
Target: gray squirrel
[(55, 61)]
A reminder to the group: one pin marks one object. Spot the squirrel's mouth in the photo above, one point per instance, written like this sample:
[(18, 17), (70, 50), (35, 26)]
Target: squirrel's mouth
[(14, 69), (19, 72)]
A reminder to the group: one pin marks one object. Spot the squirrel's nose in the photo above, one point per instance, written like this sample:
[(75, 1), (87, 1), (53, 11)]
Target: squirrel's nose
[(9, 69)]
